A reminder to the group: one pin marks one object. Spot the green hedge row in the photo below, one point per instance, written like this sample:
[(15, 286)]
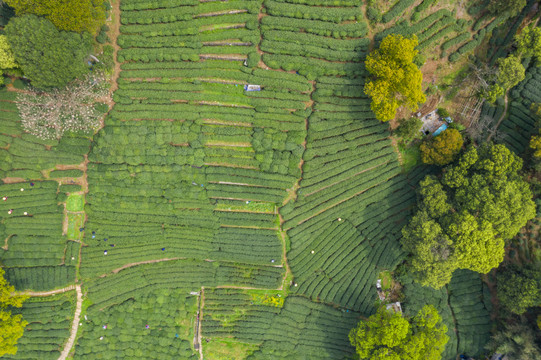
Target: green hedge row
[(358, 29), (396, 10), (128, 5), (335, 15)]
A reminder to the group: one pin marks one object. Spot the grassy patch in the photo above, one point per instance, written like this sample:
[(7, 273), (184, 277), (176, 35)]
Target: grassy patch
[(386, 280), (411, 156), (75, 202), (75, 222), (226, 349)]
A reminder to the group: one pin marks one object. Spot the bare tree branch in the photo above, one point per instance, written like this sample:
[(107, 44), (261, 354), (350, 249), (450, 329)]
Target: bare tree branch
[(48, 115)]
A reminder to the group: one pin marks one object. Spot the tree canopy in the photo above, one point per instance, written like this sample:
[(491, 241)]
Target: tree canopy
[(7, 60), (47, 56), (78, 16), (389, 335), (529, 43), (442, 149), (11, 326), (396, 79), (510, 71), (465, 216), (409, 129), (535, 144), (517, 341), (519, 288)]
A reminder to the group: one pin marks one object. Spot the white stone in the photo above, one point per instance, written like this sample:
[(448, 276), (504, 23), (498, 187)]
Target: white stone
[(22, 189), (313, 251)]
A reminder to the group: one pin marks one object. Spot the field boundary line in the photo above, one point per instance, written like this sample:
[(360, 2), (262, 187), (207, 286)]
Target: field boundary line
[(74, 325), (48, 293)]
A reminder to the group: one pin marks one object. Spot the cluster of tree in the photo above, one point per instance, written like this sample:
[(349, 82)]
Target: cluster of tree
[(519, 288), (517, 340), (535, 142), (391, 336), (510, 70), (11, 326), (49, 40), (466, 215), (396, 80), (78, 16)]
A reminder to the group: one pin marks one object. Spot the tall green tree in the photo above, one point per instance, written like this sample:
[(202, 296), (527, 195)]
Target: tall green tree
[(466, 215), (409, 129), (510, 71), (389, 335), (47, 56), (519, 288), (69, 15), (529, 43), (11, 326), (442, 149), (396, 80), (7, 60), (517, 341)]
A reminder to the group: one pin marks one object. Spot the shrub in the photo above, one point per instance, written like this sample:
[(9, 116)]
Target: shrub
[(443, 112)]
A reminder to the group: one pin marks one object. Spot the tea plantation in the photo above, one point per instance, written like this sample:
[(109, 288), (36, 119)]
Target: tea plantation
[(240, 200)]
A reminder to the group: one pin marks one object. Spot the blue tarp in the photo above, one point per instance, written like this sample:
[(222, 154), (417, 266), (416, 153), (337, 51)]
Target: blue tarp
[(440, 129)]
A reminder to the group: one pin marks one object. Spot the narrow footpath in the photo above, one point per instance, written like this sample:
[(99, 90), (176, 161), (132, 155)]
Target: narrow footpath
[(74, 325)]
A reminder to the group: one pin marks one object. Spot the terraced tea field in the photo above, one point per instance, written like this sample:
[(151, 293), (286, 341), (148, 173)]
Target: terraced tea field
[(239, 201)]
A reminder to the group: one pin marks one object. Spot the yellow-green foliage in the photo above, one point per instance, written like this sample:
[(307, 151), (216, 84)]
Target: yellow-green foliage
[(11, 327), (78, 16), (397, 80), (7, 60), (389, 335), (265, 299), (535, 143), (442, 149)]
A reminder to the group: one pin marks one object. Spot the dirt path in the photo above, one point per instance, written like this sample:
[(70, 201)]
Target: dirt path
[(200, 319), (394, 144), (288, 272), (48, 293), (74, 325), (115, 32), (115, 271), (506, 100)]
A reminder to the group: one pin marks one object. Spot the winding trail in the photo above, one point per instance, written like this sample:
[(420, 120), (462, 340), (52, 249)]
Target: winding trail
[(74, 325)]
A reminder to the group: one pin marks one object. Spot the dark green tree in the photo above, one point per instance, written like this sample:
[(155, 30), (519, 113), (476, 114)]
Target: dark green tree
[(519, 288), (517, 341), (48, 57), (466, 215), (409, 129)]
